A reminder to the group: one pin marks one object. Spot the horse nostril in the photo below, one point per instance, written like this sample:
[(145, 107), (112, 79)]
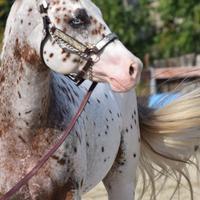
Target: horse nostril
[(131, 70)]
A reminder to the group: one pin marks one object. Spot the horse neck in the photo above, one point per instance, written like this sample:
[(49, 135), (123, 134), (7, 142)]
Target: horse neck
[(24, 80)]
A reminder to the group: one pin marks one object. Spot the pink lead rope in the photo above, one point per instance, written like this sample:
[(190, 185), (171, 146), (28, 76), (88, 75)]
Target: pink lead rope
[(46, 156)]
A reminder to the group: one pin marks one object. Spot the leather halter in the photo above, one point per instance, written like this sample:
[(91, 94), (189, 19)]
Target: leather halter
[(89, 53)]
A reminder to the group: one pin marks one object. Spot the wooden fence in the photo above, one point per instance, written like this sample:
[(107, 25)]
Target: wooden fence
[(187, 60)]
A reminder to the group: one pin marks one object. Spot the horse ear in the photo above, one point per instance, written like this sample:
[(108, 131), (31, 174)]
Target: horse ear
[(42, 2)]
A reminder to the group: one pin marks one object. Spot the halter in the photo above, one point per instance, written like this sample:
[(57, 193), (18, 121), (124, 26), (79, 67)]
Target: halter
[(90, 53)]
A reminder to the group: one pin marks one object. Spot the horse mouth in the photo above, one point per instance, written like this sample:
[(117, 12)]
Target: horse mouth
[(116, 86)]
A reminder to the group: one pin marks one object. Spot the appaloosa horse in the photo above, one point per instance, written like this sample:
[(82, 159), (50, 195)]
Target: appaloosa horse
[(37, 104), (70, 37)]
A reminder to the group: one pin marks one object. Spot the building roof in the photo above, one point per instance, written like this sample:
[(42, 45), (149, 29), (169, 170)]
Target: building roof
[(175, 72)]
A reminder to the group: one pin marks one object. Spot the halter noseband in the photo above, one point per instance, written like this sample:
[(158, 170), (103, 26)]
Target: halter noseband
[(69, 44)]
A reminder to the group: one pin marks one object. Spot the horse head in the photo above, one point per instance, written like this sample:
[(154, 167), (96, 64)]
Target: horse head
[(82, 21)]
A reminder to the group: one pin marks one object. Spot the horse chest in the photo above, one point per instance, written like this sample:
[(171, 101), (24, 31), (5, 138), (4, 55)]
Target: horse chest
[(94, 141)]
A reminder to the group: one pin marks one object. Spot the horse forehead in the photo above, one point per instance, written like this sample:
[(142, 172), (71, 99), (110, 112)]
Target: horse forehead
[(72, 5), (87, 4)]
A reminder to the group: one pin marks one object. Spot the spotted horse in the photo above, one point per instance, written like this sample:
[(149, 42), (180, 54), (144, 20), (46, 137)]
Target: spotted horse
[(44, 41)]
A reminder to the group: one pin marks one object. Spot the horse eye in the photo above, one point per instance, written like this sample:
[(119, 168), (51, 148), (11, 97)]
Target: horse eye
[(81, 19), (76, 23)]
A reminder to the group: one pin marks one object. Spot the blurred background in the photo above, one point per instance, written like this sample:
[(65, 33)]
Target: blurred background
[(165, 34)]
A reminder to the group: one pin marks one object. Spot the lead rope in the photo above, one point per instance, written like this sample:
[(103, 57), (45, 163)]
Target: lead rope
[(49, 153)]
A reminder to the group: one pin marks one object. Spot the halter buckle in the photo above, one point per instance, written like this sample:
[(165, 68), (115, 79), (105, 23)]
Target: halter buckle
[(95, 58)]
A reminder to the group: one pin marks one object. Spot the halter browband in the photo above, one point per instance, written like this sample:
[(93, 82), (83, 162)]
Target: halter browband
[(69, 44)]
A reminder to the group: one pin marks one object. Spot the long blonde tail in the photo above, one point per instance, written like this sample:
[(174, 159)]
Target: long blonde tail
[(170, 136)]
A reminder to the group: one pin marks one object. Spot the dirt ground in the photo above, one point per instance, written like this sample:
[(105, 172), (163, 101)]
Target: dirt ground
[(99, 193)]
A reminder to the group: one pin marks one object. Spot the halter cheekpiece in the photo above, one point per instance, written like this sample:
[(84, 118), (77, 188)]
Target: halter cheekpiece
[(89, 53)]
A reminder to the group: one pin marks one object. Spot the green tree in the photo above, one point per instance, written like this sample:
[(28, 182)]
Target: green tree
[(132, 24), (180, 32), (4, 10)]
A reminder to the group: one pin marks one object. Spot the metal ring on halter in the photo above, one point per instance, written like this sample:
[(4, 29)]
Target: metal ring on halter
[(70, 44)]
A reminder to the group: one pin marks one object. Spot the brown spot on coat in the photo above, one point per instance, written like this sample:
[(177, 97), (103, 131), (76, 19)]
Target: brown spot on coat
[(2, 78), (29, 55), (19, 94), (62, 161), (22, 139)]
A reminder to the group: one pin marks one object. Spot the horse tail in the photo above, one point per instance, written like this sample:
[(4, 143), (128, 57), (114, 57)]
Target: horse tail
[(170, 136)]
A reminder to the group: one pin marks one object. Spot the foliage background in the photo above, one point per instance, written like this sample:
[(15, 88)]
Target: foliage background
[(159, 28), (132, 24), (4, 10), (180, 30)]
